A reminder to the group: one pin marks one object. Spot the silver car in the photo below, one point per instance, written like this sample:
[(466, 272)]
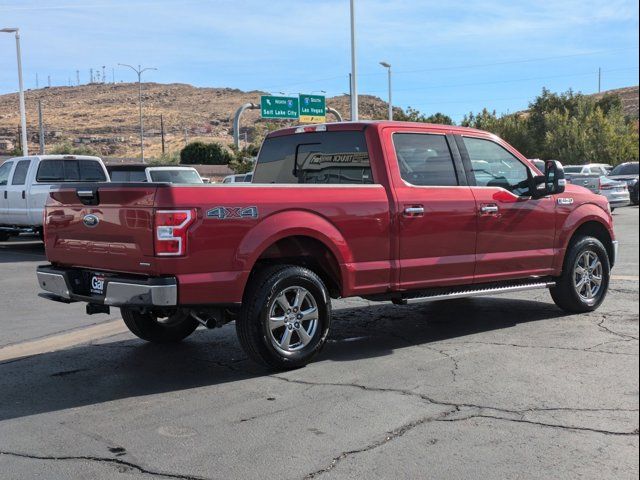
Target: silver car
[(616, 192)]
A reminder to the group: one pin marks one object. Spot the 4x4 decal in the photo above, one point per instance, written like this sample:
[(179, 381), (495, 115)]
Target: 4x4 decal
[(224, 213)]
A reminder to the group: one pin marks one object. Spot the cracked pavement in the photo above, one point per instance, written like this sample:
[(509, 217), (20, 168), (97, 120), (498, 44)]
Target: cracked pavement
[(502, 387)]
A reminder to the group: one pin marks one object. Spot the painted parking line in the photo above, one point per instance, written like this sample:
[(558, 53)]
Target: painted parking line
[(62, 341), (634, 278)]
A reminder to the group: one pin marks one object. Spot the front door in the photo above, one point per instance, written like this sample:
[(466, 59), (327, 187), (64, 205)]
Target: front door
[(435, 212), (5, 171), (516, 233), (17, 193)]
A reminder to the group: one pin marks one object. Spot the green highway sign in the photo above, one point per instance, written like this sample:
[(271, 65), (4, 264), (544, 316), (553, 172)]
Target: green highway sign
[(278, 107), (313, 108)]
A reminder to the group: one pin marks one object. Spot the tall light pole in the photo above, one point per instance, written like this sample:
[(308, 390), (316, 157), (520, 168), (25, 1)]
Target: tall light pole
[(354, 89), (23, 115), (139, 71), (388, 67)]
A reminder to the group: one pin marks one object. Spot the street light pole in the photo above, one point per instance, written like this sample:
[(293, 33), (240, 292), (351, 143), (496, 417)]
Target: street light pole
[(354, 89), (23, 114), (139, 71), (388, 67)]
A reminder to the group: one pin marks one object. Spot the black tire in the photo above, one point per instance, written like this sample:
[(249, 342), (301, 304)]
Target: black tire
[(4, 236), (567, 294), (304, 339), (149, 327), (635, 196)]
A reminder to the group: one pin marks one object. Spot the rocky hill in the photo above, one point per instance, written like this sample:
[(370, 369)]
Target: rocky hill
[(104, 117)]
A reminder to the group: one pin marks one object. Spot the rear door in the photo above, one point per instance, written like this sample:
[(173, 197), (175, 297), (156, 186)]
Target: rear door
[(435, 211), (17, 193), (516, 233)]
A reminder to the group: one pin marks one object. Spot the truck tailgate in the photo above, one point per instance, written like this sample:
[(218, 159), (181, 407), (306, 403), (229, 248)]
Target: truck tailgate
[(105, 227)]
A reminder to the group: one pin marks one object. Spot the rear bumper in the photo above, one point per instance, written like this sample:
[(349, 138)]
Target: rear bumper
[(119, 291)]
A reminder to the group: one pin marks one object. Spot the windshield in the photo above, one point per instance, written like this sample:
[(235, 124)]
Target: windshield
[(626, 169), (175, 176)]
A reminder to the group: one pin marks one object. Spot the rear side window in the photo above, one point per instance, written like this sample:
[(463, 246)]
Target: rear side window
[(315, 158), (626, 169), (5, 168), (70, 171), (20, 173), (425, 159)]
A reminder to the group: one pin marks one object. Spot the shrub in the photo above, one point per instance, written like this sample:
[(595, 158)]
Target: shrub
[(200, 153)]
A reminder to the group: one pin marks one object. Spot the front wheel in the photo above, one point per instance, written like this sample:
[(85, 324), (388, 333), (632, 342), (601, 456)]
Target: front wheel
[(584, 282), (285, 317), (159, 328)]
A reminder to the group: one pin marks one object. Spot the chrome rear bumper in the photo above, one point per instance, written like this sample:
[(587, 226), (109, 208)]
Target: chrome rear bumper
[(615, 252), (118, 291)]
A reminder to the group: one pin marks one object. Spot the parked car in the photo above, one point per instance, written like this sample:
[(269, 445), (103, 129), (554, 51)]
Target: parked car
[(616, 192), (25, 183), (239, 178), (584, 175), (628, 172), (383, 210), (145, 173)]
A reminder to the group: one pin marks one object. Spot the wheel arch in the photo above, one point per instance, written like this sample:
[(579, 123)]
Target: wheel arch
[(298, 238)]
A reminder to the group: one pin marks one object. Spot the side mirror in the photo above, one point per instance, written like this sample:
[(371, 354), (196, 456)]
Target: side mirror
[(554, 181)]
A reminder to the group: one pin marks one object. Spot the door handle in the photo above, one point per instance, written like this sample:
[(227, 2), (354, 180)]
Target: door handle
[(414, 211), (488, 209), (5, 194), (23, 197)]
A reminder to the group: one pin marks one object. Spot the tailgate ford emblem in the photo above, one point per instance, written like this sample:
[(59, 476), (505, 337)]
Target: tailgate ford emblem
[(90, 220)]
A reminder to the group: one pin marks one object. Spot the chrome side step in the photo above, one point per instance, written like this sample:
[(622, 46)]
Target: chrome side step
[(471, 292)]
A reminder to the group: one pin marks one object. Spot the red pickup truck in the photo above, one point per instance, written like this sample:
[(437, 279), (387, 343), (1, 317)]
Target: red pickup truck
[(391, 211)]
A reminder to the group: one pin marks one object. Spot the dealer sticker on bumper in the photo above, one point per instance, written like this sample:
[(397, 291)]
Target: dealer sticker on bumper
[(97, 284)]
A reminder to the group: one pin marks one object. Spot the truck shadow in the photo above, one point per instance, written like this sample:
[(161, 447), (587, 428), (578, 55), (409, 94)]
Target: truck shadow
[(111, 370), (22, 250)]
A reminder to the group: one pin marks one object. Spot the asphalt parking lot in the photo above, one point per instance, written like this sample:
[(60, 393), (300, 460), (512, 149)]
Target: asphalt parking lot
[(503, 387)]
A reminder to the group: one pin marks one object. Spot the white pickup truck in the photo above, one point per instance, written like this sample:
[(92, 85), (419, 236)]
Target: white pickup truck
[(25, 183)]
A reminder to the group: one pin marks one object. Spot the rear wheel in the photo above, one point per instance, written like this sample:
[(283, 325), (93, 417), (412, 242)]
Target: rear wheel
[(4, 236), (156, 328), (584, 282), (285, 318)]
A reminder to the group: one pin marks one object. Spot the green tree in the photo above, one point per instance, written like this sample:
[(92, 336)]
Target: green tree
[(200, 153), (413, 115), (243, 159)]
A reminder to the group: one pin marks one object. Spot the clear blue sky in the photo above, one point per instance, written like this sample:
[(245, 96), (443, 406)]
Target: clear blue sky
[(452, 57)]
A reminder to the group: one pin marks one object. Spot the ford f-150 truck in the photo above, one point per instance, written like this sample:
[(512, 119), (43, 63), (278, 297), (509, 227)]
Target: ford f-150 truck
[(391, 211)]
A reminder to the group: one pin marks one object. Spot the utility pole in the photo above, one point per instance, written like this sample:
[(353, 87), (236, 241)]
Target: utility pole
[(49, 80), (599, 79), (40, 127), (354, 82), (388, 67), (139, 71), (162, 132), (104, 75), (91, 75), (77, 77), (23, 115)]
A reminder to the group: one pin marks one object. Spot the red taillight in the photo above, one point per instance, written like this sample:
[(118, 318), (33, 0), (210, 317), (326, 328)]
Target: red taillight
[(171, 231)]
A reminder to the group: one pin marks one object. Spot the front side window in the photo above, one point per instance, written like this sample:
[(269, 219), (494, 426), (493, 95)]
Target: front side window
[(493, 166), (315, 157), (5, 168), (425, 159), (20, 173)]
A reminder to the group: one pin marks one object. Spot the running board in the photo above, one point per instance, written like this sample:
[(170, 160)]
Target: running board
[(476, 292)]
